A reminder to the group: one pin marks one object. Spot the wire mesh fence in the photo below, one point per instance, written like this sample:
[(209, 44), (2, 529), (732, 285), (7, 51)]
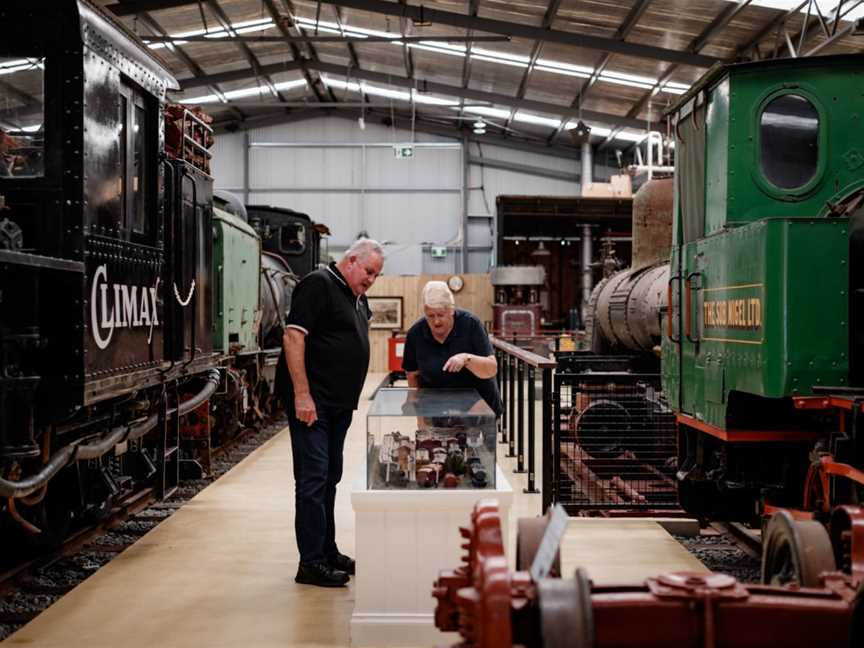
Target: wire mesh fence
[(614, 442)]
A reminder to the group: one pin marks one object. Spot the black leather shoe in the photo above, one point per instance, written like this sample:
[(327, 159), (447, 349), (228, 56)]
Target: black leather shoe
[(342, 563), (321, 574)]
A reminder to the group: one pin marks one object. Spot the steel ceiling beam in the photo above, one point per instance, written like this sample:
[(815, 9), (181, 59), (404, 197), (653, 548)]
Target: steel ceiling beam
[(387, 80), (421, 125), (473, 10), (769, 27), (476, 95), (548, 19), (152, 24), (296, 53), (407, 56), (810, 29), (627, 25), (712, 29), (237, 75), (225, 23), (529, 169), (140, 6), (352, 51), (324, 39), (517, 30)]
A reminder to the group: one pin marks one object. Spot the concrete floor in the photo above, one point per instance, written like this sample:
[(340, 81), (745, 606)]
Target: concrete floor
[(220, 571)]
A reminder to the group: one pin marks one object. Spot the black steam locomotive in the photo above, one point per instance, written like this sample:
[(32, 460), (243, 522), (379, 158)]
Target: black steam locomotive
[(129, 339)]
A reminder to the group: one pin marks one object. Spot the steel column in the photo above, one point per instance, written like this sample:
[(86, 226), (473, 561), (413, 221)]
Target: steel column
[(587, 166), (520, 445), (511, 427), (550, 453), (466, 170), (587, 272), (505, 402), (531, 435), (247, 154)]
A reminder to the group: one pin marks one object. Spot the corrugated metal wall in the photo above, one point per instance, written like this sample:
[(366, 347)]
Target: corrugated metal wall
[(350, 180)]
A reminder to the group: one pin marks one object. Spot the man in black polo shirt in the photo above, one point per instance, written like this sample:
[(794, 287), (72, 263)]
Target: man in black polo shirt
[(326, 345), (448, 347)]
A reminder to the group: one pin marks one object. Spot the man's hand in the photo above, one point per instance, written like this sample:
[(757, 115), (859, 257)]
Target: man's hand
[(304, 408), (457, 362)]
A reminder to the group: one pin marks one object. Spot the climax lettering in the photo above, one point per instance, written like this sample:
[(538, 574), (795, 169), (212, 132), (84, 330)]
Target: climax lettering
[(117, 306)]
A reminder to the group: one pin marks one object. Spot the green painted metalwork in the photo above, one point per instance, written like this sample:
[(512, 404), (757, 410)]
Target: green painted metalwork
[(237, 272), (760, 295), (717, 157)]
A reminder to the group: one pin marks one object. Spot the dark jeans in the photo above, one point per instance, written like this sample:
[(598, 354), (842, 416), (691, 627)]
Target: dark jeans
[(317, 451)]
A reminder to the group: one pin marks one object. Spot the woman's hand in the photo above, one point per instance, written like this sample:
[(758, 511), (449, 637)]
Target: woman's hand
[(457, 362)]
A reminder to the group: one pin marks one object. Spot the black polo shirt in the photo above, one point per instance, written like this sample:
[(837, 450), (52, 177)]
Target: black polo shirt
[(425, 354), (336, 324)]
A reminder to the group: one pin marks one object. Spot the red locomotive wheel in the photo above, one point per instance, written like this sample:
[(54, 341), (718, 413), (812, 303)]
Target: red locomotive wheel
[(566, 613), (795, 552)]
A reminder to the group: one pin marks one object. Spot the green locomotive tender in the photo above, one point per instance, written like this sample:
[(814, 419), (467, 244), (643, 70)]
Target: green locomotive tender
[(764, 345)]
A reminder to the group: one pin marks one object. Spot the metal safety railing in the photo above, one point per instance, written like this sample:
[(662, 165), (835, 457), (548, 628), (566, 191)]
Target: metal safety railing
[(519, 370), (613, 446)]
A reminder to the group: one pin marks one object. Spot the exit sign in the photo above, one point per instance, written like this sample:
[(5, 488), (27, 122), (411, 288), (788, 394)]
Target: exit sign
[(403, 152)]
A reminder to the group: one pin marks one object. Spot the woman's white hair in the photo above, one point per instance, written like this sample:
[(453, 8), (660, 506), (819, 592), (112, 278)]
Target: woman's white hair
[(436, 294)]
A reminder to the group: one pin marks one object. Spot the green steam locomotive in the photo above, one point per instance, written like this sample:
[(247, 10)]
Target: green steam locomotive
[(763, 345)]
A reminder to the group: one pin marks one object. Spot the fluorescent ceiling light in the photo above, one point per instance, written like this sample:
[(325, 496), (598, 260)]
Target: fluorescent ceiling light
[(528, 118), (497, 60), (441, 47), (557, 66), (488, 111), (503, 56), (435, 48), (242, 27), (15, 63), (485, 111), (244, 92), (21, 65), (387, 93), (573, 73)]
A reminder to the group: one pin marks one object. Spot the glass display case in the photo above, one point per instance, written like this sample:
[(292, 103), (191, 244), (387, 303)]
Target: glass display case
[(430, 438)]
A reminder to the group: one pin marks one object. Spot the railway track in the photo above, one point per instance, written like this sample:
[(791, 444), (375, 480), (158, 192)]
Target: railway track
[(30, 586), (730, 548), (748, 540)]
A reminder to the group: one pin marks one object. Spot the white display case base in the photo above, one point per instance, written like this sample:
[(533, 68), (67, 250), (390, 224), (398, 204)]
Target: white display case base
[(404, 538)]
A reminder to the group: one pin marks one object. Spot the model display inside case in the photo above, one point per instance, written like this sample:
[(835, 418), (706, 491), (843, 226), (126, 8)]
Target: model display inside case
[(430, 438)]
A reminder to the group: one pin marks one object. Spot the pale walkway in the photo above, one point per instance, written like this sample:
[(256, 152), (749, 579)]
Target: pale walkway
[(220, 571)]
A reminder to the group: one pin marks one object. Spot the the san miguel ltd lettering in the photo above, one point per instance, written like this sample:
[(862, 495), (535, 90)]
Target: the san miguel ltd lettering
[(115, 306), (742, 313)]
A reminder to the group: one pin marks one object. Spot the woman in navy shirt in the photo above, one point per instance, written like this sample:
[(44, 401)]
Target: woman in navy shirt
[(448, 347)]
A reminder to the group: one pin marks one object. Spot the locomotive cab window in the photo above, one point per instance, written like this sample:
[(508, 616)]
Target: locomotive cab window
[(292, 238), (789, 134), (22, 116), (137, 146)]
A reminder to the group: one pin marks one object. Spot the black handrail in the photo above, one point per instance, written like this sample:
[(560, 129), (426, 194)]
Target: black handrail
[(515, 365)]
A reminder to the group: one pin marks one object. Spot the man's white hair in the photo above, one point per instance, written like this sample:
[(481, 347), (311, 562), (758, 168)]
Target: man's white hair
[(436, 294), (363, 247)]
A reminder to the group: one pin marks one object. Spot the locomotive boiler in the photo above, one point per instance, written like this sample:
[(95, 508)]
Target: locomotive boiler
[(625, 310), (131, 307)]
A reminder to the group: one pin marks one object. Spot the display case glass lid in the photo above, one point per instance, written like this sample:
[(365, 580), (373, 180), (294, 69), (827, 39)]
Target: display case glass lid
[(404, 401)]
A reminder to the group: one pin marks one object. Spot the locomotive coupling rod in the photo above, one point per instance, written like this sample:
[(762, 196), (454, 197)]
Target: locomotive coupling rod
[(80, 451)]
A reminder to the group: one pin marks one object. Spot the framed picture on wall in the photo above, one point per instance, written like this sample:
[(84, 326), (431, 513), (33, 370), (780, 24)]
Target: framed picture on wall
[(386, 312)]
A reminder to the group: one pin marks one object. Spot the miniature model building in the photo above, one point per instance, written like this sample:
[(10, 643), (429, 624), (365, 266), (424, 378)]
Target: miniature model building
[(430, 438)]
